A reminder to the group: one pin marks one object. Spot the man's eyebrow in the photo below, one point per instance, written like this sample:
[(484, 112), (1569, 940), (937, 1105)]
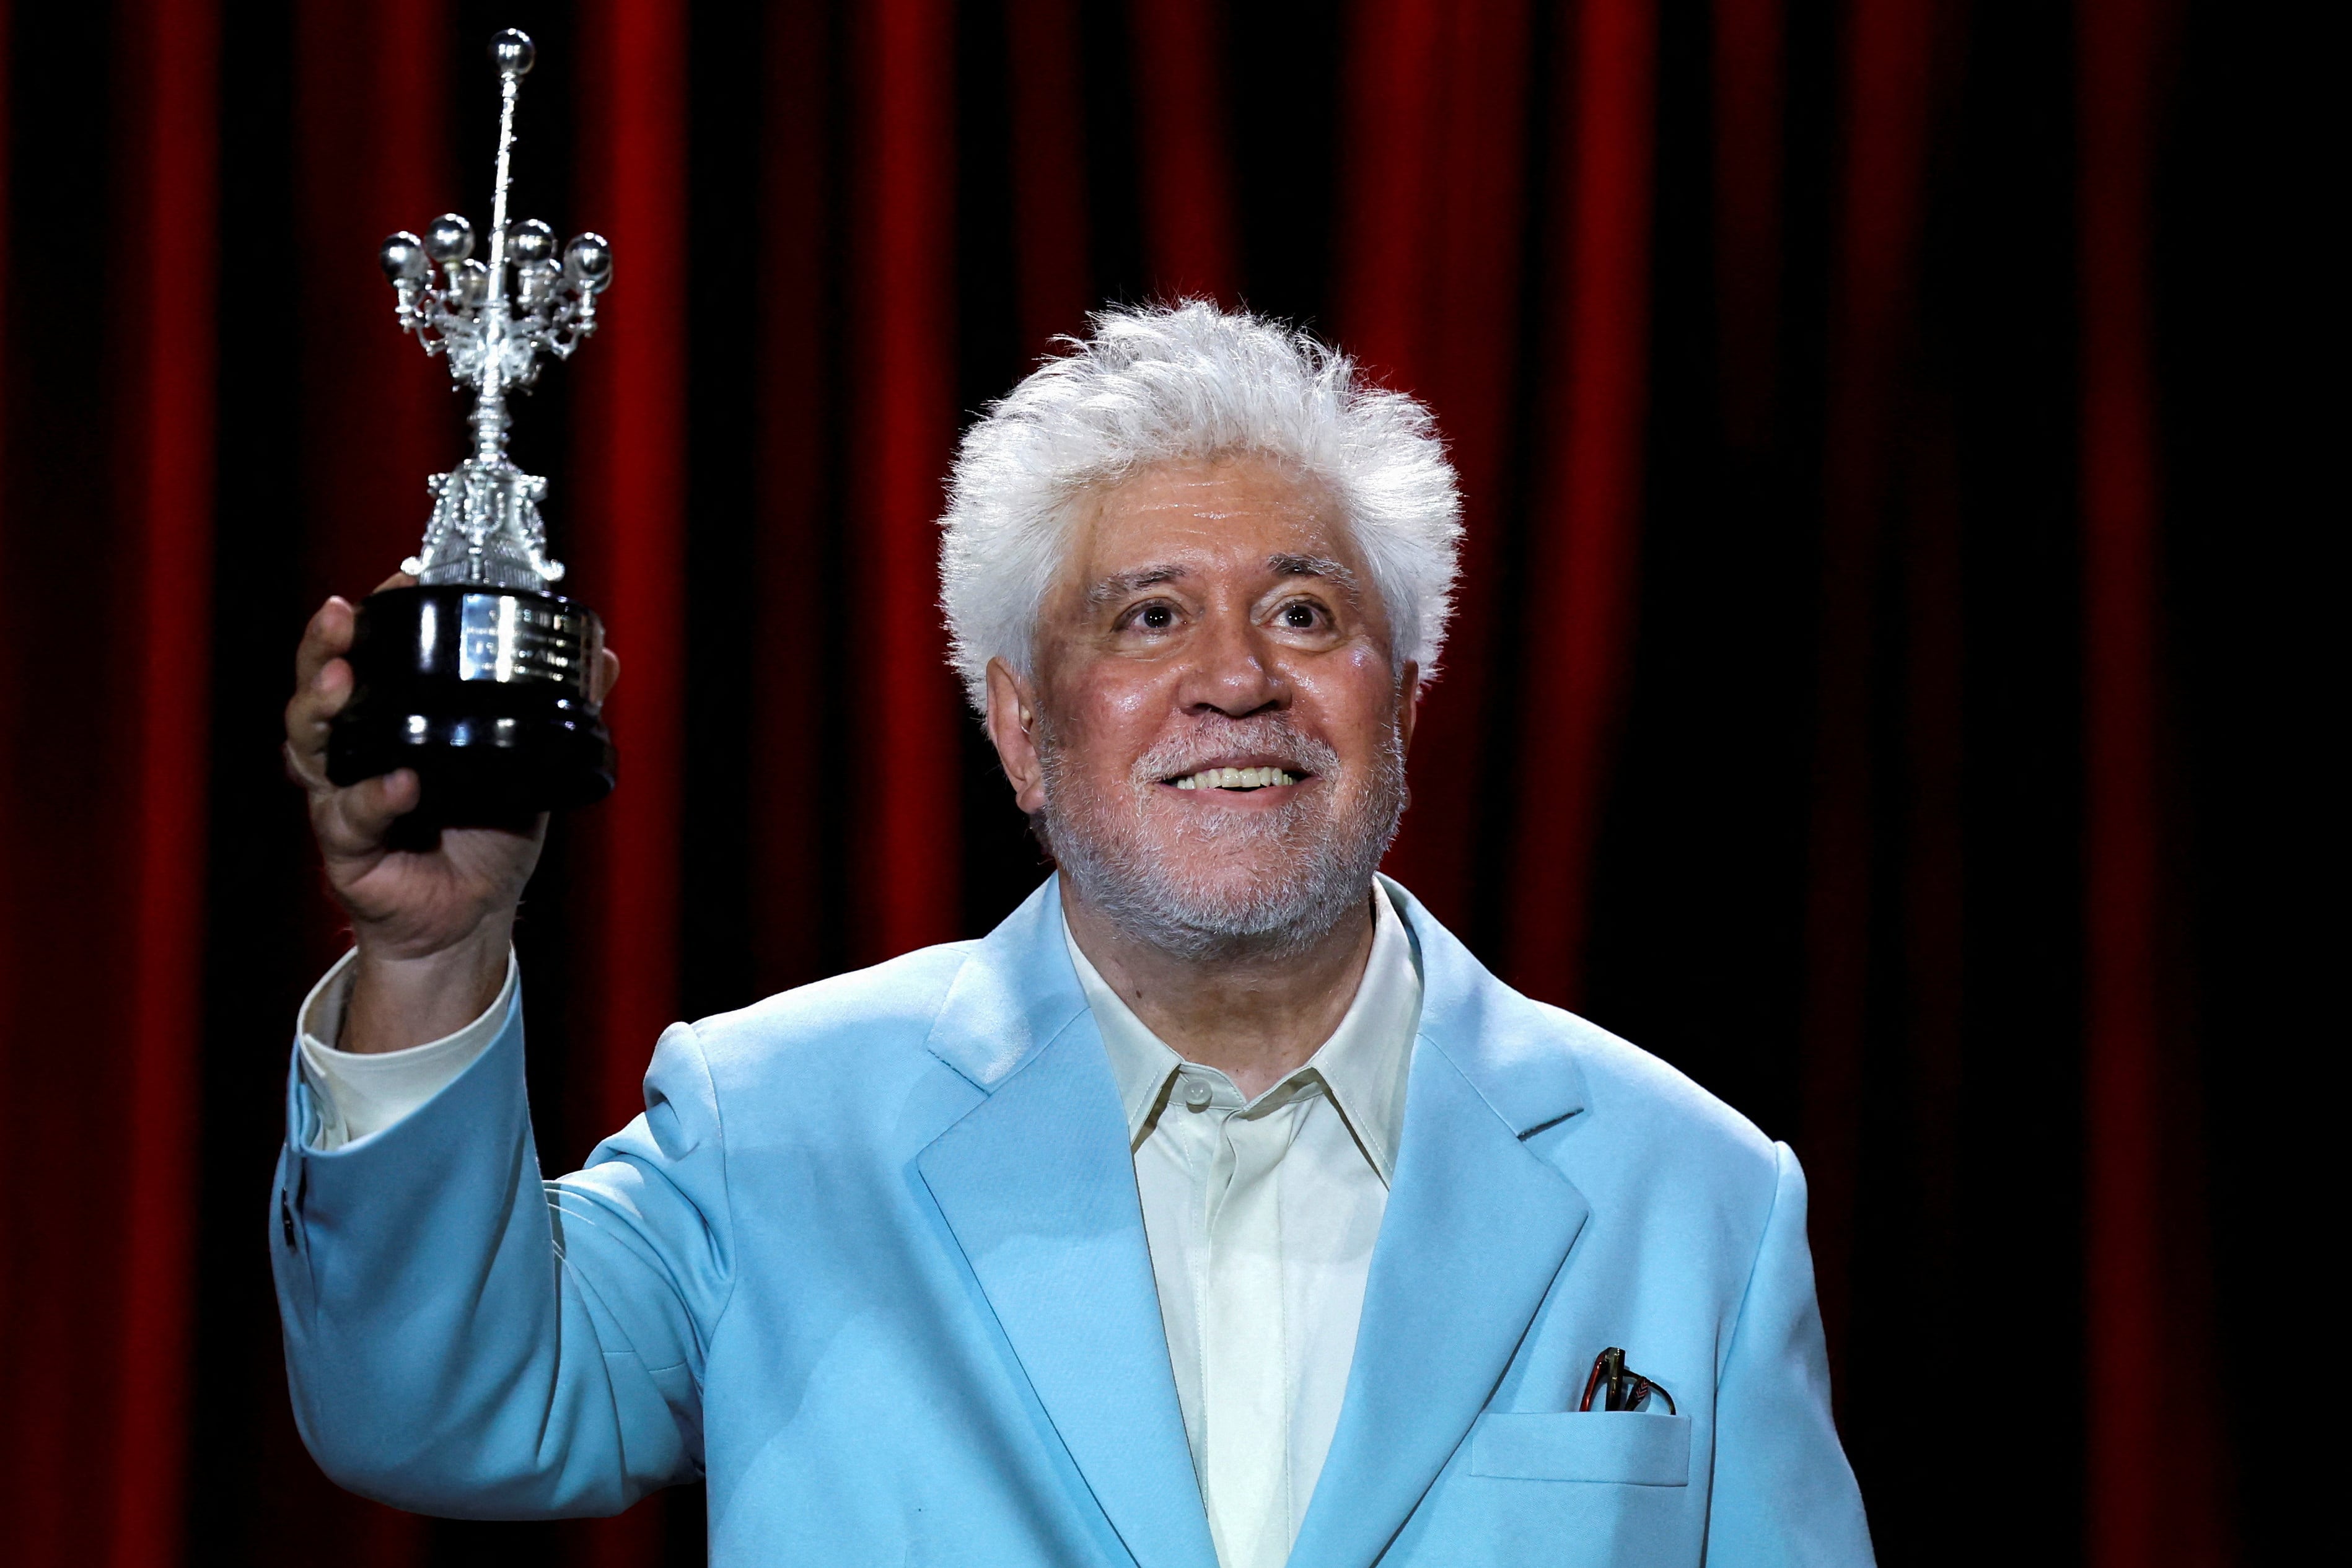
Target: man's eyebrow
[(1118, 585), (1322, 566)]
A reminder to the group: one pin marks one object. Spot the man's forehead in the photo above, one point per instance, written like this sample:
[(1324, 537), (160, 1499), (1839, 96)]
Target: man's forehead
[(1276, 564)]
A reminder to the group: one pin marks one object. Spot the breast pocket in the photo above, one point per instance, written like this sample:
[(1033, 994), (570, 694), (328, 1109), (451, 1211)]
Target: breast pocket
[(1626, 1446)]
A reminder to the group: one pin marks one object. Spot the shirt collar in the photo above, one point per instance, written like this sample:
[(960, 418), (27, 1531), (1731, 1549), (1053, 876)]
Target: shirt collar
[(1363, 1066)]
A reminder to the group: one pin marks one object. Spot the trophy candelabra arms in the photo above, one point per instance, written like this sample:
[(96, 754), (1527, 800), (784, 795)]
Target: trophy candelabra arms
[(479, 677)]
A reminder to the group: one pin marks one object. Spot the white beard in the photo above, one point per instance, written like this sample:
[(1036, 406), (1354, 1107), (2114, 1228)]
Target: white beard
[(1289, 877)]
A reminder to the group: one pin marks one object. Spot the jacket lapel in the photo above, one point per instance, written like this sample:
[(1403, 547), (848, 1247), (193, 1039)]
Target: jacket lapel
[(1475, 1230), (1037, 1186)]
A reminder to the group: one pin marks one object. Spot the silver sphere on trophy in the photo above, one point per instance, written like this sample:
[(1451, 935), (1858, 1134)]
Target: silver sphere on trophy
[(478, 676)]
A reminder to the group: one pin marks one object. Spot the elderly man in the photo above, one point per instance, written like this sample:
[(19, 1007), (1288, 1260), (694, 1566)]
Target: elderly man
[(1216, 1208)]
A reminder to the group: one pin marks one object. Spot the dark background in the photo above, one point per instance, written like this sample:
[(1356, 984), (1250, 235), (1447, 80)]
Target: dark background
[(1884, 683)]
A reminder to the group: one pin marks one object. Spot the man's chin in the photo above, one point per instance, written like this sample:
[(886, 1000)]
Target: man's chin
[(1241, 875), (1223, 907), (1184, 819)]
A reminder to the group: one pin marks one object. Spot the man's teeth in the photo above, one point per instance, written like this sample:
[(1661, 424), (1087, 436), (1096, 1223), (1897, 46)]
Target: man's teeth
[(1237, 778)]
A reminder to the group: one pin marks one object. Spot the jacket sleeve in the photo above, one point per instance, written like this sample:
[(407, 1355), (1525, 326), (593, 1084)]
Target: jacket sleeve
[(465, 1339), (1783, 1494)]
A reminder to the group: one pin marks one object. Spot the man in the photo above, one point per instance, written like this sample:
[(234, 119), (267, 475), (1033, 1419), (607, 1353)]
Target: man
[(1216, 1208)]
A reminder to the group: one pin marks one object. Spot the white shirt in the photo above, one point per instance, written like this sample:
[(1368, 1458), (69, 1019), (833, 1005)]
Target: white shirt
[(1261, 1215), (356, 1092)]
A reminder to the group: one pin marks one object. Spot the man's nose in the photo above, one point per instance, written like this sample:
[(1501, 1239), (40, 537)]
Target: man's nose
[(1231, 670)]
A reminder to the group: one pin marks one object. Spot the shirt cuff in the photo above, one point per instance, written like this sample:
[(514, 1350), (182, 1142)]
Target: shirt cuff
[(359, 1092)]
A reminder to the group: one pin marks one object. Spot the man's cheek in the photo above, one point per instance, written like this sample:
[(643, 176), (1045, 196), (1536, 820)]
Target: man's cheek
[(1130, 709), (1096, 715)]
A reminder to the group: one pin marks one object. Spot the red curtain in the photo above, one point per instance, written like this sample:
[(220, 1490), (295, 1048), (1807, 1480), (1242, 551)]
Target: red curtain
[(97, 1440), (163, 481), (2154, 1445), (1828, 708)]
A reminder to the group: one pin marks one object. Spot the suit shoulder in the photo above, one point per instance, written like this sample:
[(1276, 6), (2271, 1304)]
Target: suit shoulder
[(1652, 1100), (1565, 1079), (891, 1004)]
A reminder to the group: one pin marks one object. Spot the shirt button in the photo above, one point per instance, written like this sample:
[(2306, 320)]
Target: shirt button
[(1198, 1095)]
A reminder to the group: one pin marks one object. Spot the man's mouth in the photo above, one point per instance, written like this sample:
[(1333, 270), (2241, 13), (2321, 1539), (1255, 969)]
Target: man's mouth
[(1235, 778)]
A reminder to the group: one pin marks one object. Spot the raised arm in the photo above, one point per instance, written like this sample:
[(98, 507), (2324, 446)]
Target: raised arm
[(461, 1338), (464, 1339)]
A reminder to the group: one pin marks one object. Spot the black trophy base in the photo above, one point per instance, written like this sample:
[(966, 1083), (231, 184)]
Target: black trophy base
[(485, 692)]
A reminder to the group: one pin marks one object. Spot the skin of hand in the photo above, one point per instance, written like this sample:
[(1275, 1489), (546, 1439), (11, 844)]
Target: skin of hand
[(431, 918), (1175, 611)]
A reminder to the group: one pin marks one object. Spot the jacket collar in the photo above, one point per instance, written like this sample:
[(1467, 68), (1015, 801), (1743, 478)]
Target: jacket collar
[(1018, 990), (1362, 1066), (1037, 1185), (1476, 1229), (1505, 1045)]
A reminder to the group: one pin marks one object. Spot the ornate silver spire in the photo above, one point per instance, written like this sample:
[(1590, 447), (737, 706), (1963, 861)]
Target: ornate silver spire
[(486, 525)]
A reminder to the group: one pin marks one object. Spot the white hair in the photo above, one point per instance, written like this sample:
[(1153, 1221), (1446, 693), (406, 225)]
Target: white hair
[(1157, 383)]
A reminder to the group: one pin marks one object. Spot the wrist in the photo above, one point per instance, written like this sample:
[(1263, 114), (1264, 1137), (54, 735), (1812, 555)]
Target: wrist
[(403, 999)]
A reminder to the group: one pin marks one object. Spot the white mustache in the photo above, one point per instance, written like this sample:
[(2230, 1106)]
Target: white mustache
[(1270, 737)]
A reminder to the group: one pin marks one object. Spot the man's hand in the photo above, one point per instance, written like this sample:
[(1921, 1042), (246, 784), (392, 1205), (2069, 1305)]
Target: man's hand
[(432, 913)]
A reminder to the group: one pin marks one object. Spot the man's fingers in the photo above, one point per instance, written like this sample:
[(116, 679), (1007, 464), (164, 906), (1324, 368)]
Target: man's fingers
[(328, 633), (328, 636), (357, 819), (308, 715), (608, 675)]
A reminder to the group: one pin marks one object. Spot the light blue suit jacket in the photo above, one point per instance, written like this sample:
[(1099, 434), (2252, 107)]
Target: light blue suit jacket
[(872, 1263)]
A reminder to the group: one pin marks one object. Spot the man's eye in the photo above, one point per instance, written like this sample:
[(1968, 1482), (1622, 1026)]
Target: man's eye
[(1155, 617), (1301, 617)]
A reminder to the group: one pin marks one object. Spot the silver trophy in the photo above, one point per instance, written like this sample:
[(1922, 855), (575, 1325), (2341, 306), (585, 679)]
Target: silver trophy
[(479, 676)]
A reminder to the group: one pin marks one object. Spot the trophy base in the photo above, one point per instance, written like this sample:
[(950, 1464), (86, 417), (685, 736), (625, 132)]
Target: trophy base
[(485, 692)]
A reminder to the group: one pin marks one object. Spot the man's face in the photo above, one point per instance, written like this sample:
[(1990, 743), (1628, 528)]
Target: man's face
[(1216, 733)]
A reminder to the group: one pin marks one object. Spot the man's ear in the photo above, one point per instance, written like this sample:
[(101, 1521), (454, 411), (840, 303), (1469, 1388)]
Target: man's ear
[(1012, 730)]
